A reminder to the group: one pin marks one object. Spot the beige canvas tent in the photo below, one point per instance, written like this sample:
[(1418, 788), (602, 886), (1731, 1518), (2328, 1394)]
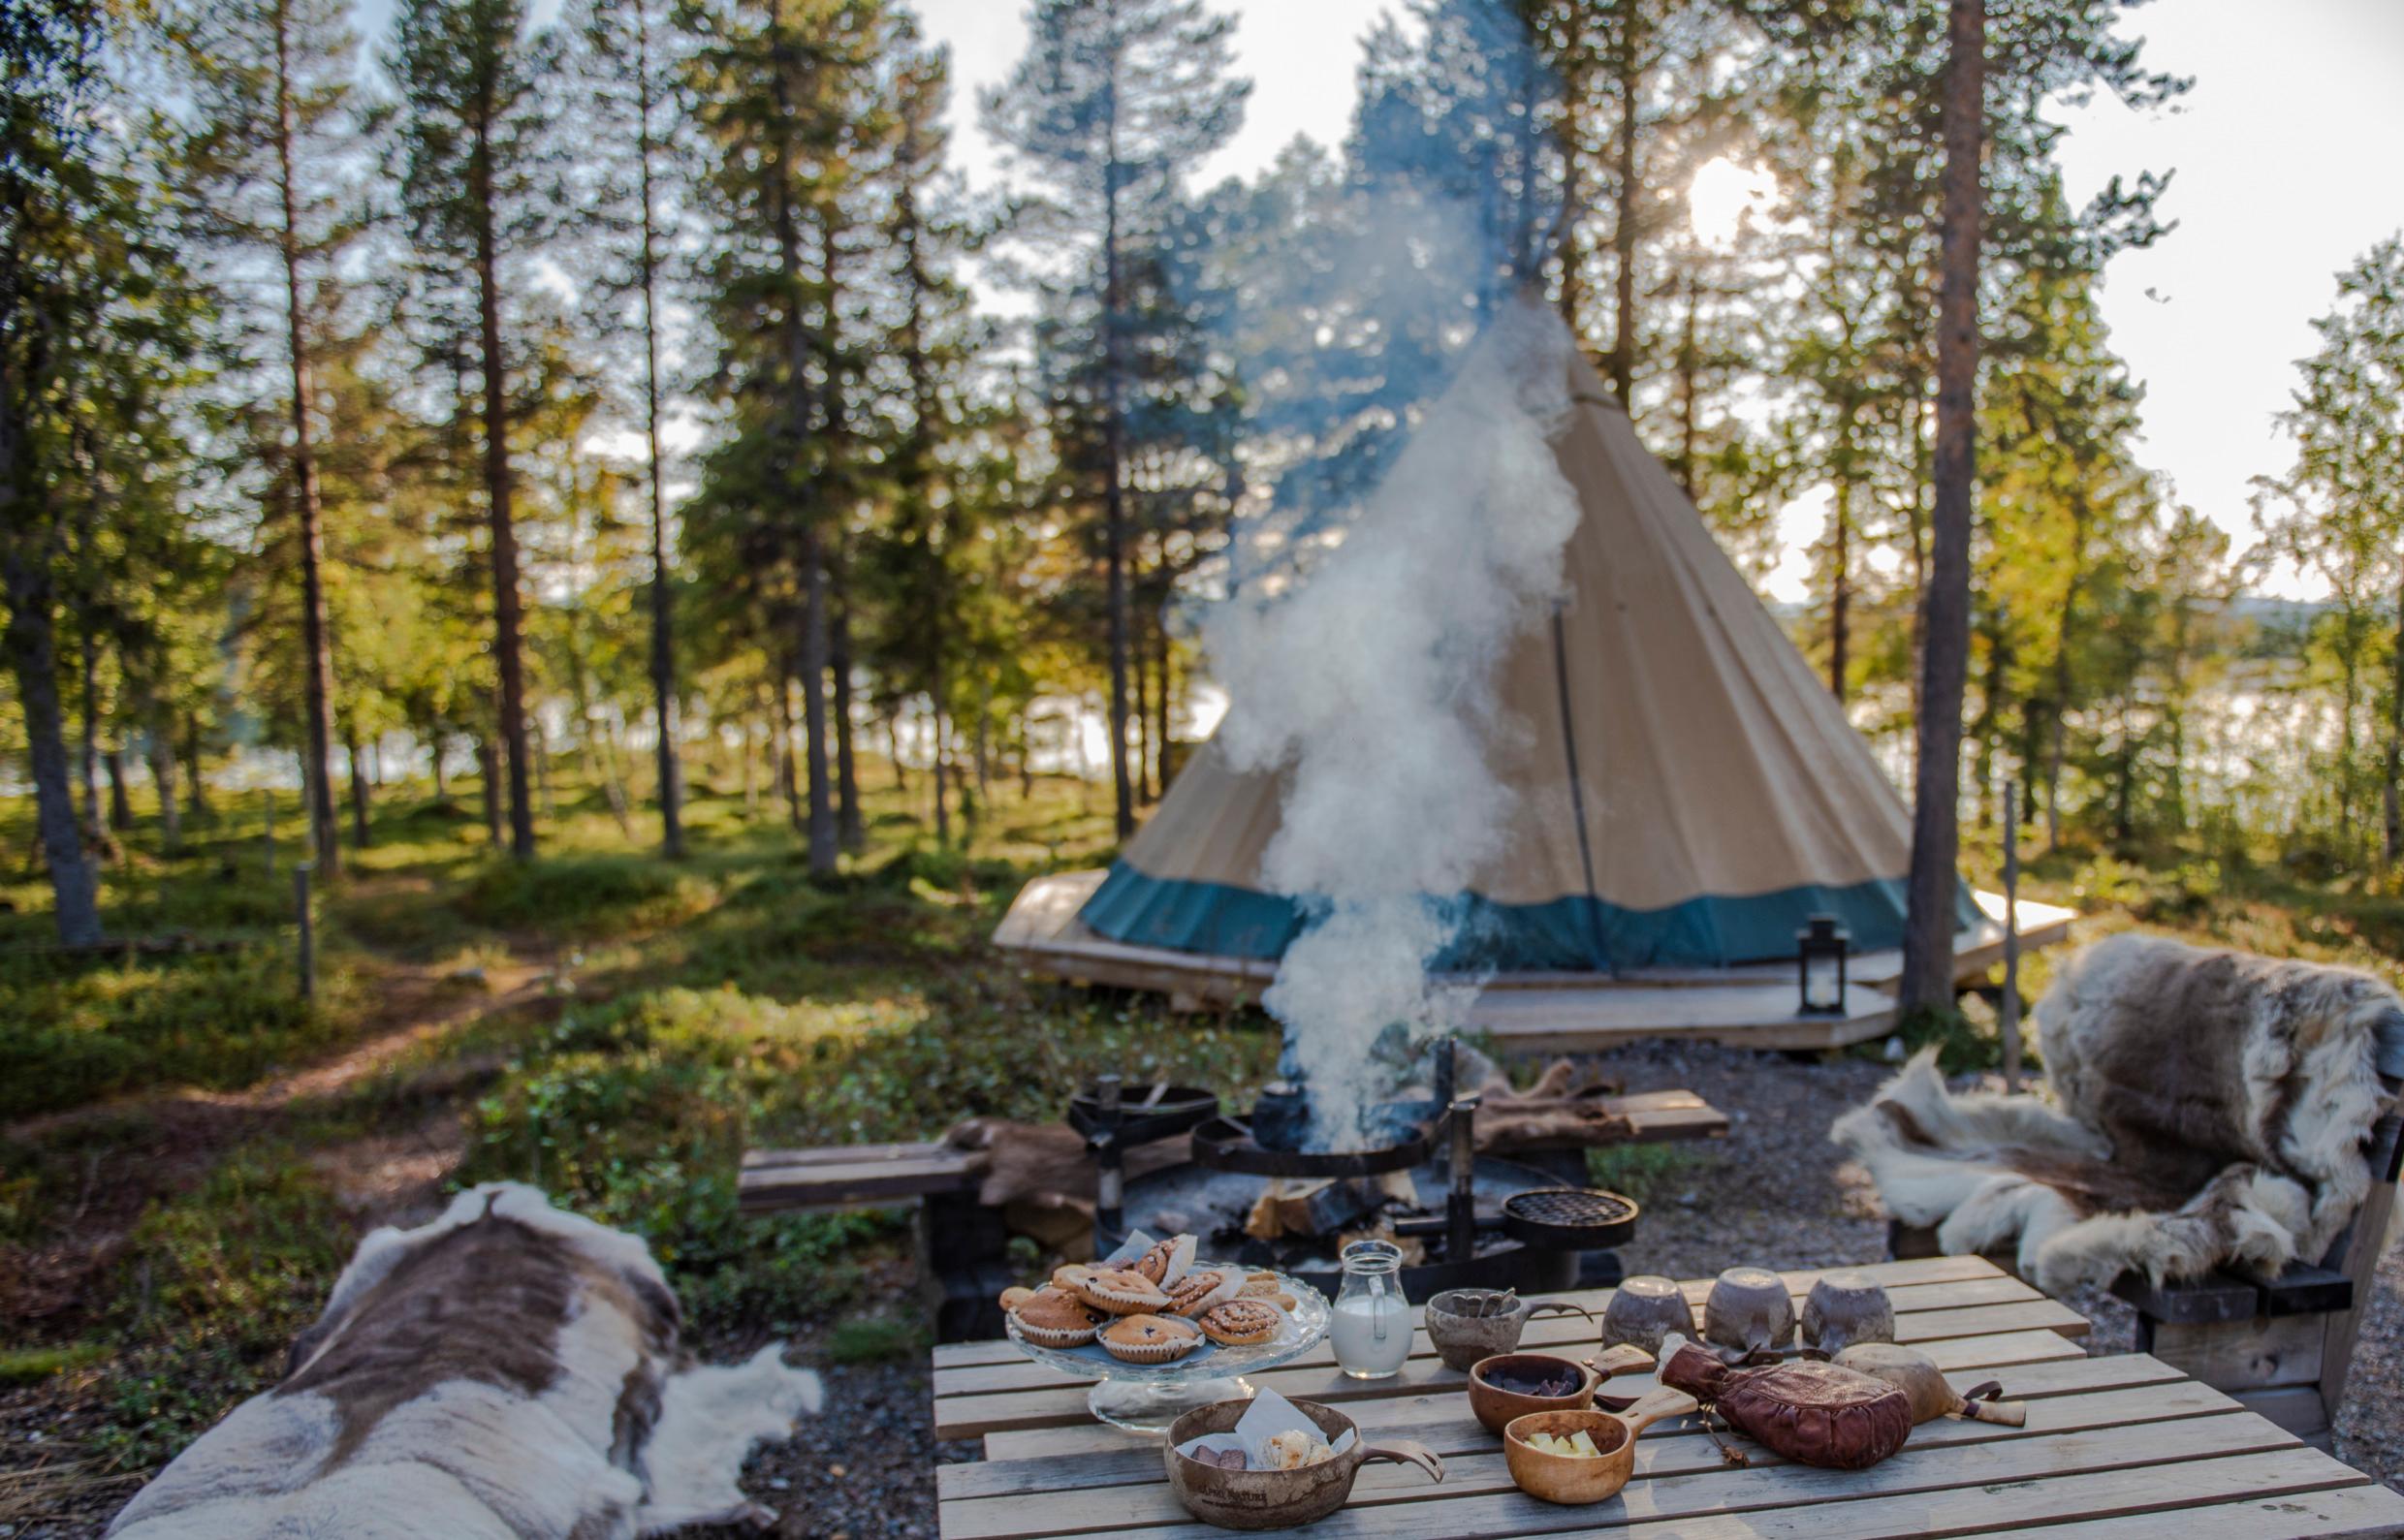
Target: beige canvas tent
[(1687, 795)]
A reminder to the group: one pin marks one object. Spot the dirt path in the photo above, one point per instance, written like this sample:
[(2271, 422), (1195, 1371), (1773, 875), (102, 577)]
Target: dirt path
[(417, 1004)]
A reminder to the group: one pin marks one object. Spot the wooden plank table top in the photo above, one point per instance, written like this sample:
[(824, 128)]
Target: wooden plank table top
[(2117, 1446)]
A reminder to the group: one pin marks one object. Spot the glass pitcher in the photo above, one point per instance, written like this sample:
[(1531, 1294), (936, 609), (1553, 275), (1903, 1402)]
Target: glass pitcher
[(1371, 1323)]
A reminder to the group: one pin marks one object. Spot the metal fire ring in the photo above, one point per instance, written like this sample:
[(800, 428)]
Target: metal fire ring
[(1224, 1145)]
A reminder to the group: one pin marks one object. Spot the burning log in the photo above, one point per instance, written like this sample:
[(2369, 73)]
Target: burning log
[(1323, 1205)]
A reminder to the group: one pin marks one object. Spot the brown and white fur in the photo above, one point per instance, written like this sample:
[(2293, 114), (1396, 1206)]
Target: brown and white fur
[(2208, 1107), (508, 1370)]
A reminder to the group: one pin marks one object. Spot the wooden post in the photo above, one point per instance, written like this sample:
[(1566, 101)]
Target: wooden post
[(2010, 1023), (308, 935)]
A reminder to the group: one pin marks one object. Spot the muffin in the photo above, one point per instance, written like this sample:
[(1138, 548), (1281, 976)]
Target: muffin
[(1014, 1297), (1295, 1450), (1055, 1318), (1204, 1287), (1167, 1261), (1239, 1322), (1150, 1339), (1118, 1291)]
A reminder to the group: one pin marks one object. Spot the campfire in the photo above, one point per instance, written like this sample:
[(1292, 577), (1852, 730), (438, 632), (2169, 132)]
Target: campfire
[(1462, 1219)]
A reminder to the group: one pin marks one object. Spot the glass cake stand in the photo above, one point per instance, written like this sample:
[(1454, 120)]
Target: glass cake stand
[(1146, 1398)]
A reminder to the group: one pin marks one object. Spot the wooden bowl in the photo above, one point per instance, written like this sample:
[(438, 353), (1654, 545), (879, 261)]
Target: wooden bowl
[(1277, 1499), (1463, 1341), (1579, 1478), (1495, 1406)]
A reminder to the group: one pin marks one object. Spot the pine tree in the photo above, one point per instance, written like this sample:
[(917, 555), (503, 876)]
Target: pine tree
[(1927, 982), (273, 82), (778, 85), (89, 294), (627, 60), (470, 162), (1111, 105), (2338, 512)]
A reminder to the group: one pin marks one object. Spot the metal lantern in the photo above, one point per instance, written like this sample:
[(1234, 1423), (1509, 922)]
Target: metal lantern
[(1820, 949)]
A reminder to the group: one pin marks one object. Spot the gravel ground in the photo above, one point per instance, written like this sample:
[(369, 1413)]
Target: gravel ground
[(1774, 1191)]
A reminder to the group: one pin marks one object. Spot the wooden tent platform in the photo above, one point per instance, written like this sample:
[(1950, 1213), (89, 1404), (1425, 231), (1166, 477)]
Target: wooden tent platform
[(1752, 1005)]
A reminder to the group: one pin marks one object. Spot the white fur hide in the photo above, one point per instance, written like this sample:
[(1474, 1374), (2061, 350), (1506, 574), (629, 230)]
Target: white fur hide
[(2239, 1090), (508, 1371)]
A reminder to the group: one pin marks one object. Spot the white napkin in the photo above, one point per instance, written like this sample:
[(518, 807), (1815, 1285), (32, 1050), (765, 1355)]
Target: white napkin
[(1269, 1415)]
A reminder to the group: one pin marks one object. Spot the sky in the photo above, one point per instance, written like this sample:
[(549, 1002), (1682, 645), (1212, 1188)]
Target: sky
[(2288, 156)]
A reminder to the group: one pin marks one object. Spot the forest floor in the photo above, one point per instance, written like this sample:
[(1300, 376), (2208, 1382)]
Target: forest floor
[(188, 1152)]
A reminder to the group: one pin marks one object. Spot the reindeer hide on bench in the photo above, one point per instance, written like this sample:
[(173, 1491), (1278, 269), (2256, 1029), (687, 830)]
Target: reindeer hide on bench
[(2209, 1108), (506, 1372)]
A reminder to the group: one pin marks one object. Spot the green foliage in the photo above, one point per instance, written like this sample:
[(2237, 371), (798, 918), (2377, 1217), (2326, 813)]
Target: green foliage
[(73, 1033), (1646, 1172), (1961, 1046), (581, 896), (213, 1285), (875, 1339), (30, 1366)]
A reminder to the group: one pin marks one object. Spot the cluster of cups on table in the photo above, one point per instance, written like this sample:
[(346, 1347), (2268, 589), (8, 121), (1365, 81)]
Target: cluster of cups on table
[(1748, 1313)]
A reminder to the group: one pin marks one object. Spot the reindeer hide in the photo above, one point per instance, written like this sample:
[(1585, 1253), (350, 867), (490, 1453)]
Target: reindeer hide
[(2208, 1108), (506, 1372)]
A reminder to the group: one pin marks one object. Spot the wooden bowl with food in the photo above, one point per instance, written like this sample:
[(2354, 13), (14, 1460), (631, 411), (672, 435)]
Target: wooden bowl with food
[(1278, 1499), (1512, 1385), (1580, 1456)]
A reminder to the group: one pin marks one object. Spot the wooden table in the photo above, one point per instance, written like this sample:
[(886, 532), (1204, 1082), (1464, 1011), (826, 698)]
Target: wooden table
[(2120, 1446)]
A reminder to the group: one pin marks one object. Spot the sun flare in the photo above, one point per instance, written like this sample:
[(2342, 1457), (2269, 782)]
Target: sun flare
[(1720, 195)]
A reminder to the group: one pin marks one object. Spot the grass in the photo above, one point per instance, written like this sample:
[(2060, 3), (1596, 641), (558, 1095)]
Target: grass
[(1646, 1172), (621, 1027), (676, 1012)]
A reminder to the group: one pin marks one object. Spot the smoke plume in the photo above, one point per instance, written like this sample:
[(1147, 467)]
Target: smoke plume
[(1369, 681)]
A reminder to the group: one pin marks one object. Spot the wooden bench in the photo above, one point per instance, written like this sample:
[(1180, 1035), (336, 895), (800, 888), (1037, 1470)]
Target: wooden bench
[(844, 1176), (2283, 1346)]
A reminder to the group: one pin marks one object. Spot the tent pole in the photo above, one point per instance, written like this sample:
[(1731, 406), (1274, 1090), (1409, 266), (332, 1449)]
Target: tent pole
[(1577, 790)]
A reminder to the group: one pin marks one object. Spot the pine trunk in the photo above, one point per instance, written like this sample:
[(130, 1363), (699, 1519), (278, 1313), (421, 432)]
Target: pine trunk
[(1928, 929), (88, 754), (2395, 737), (663, 597), (850, 827), (120, 804), (32, 647), (788, 779), (1626, 198), (1840, 587), (506, 616), (809, 546), (195, 767), (170, 815), (317, 648), (489, 767), (361, 837), (1114, 492)]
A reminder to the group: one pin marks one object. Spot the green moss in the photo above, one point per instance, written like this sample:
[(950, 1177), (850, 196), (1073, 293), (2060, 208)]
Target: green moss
[(30, 1366)]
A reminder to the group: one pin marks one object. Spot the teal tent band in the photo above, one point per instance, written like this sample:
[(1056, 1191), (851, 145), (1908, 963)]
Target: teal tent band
[(1575, 933)]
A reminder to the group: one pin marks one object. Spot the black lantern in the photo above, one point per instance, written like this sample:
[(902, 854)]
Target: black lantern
[(1819, 965)]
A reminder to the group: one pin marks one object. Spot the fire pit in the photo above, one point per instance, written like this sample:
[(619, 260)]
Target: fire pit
[(1254, 1197)]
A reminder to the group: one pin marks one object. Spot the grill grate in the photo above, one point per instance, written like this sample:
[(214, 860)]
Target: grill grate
[(1569, 1205)]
